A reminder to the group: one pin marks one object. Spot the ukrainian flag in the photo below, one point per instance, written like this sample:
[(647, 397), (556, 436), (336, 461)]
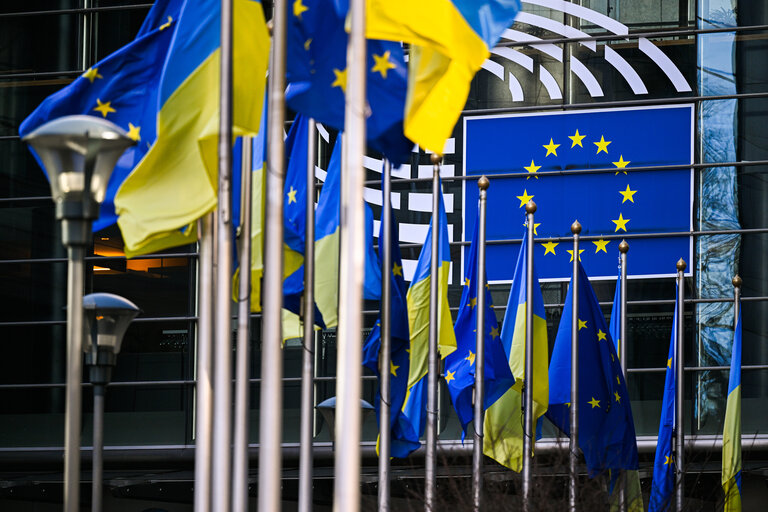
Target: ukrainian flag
[(731, 475), (450, 40), (175, 182), (504, 419)]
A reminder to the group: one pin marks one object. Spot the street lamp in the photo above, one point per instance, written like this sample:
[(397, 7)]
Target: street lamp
[(78, 154), (107, 317)]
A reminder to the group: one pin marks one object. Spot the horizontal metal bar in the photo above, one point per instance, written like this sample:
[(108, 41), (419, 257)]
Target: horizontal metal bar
[(81, 10), (98, 258), (745, 367)]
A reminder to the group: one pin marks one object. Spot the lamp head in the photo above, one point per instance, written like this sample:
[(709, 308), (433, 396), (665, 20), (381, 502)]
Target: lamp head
[(107, 317)]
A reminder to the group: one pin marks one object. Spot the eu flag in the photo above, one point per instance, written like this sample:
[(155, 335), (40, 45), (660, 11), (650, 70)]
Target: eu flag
[(606, 428), (543, 146)]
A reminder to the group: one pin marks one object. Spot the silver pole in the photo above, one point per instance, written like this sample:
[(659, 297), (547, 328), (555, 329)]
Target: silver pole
[(574, 417), (479, 416), (73, 409), (97, 472), (351, 273), (623, 249), (530, 210), (736, 281), (679, 395), (222, 350), (308, 352), (204, 381), (385, 352), (243, 360), (430, 462), (271, 391)]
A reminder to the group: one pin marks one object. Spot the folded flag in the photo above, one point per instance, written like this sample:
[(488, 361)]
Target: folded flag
[(731, 474)]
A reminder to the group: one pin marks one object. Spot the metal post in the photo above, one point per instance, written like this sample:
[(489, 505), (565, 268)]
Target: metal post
[(243, 360), (679, 388), (97, 471), (204, 380), (351, 272), (271, 391), (73, 410), (479, 416), (430, 462), (528, 433), (623, 249), (385, 352), (574, 417), (308, 314), (736, 281)]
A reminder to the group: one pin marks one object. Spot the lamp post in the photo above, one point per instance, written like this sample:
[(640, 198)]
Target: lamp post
[(107, 317), (78, 154)]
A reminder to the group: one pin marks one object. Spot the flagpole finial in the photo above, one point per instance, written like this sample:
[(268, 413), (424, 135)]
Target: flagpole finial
[(576, 227), (270, 26), (736, 281), (681, 265), (483, 183), (530, 207), (623, 247), (435, 158)]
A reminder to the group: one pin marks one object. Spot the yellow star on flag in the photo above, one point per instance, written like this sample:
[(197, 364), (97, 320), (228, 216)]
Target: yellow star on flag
[(594, 402), (621, 164), (627, 194), (292, 195), (397, 270), (494, 332), (166, 24), (570, 251), (600, 245), (617, 395), (466, 281), (576, 139), (449, 376), (524, 198), (535, 226), (551, 148), (104, 108), (393, 369), (618, 381), (549, 247), (582, 324), (299, 8), (621, 223), (600, 334), (470, 358), (602, 145), (532, 170), (382, 64), (669, 363), (134, 132), (307, 43), (668, 459), (341, 79), (92, 74), (473, 302)]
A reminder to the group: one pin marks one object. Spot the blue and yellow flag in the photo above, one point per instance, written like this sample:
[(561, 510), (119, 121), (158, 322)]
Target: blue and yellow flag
[(460, 365), (663, 484), (731, 475), (615, 325), (317, 75), (504, 419), (450, 40)]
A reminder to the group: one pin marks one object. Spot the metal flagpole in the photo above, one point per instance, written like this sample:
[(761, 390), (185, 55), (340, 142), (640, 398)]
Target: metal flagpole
[(623, 249), (477, 449), (573, 458), (308, 352), (736, 282), (242, 363), (385, 352), (351, 272), (430, 462), (271, 391), (679, 395), (204, 381), (530, 210)]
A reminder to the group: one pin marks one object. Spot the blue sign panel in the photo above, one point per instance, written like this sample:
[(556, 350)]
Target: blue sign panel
[(605, 203)]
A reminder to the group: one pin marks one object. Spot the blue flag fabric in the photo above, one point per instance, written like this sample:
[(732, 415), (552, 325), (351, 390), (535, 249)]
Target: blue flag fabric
[(663, 484), (317, 76), (606, 428), (615, 326), (460, 365)]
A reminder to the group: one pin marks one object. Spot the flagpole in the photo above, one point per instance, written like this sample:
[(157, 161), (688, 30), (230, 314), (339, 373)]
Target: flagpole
[(308, 313), (679, 395), (574, 410), (736, 282), (528, 433), (242, 362), (271, 391), (385, 352), (477, 449), (430, 457), (623, 249), (351, 272)]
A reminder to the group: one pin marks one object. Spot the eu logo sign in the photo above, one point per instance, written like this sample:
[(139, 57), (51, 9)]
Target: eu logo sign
[(556, 156)]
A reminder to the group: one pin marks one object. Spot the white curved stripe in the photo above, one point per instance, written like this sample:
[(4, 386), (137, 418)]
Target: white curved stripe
[(323, 132), (589, 80), (409, 269), (373, 196), (556, 27), (666, 65), (446, 171), (372, 164), (627, 71), (595, 17), (514, 56), (494, 67), (320, 174), (550, 49), (550, 83), (421, 202), (515, 88), (412, 233)]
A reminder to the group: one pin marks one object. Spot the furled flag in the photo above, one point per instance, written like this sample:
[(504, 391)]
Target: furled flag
[(460, 365), (450, 40), (606, 428), (731, 475), (413, 413), (398, 367), (317, 75), (504, 419), (663, 484), (615, 325)]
